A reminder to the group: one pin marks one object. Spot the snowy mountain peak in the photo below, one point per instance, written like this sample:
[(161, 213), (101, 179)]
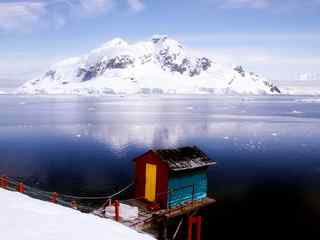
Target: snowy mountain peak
[(158, 37), (160, 65), (116, 42), (164, 44)]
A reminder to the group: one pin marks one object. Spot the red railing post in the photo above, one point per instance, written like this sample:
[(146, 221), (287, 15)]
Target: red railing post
[(4, 182), (54, 197), (74, 204), (20, 187), (117, 210)]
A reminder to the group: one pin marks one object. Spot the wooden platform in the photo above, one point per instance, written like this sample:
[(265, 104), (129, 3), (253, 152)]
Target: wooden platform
[(147, 218), (154, 222), (184, 209)]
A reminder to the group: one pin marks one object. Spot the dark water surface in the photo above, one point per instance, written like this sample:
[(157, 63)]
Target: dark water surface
[(267, 177)]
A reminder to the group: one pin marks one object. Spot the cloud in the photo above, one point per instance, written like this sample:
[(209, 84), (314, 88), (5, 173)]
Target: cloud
[(29, 68), (276, 5), (257, 4), (249, 37), (136, 5), (94, 7), (20, 15), (261, 53), (280, 66)]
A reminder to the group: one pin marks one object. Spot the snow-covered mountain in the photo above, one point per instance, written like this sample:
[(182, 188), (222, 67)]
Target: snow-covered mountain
[(160, 65)]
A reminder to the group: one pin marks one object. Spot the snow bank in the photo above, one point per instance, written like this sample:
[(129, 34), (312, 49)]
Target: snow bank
[(29, 219)]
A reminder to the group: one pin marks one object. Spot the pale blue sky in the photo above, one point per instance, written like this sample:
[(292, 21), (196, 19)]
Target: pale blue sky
[(277, 38)]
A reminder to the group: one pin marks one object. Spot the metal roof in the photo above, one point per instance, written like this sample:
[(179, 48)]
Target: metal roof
[(184, 158)]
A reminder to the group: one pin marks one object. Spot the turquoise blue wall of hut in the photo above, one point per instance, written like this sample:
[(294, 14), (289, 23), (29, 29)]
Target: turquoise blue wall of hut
[(180, 187)]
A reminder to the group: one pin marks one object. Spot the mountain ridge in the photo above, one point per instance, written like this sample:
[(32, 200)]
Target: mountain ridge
[(158, 66)]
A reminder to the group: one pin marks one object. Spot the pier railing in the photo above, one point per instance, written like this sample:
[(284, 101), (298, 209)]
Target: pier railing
[(75, 202), (178, 198)]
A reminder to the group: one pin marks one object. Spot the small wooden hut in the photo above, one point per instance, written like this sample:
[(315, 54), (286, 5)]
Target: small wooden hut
[(171, 177)]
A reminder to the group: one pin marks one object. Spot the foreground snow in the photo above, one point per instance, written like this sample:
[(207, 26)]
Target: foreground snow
[(158, 66), (30, 219)]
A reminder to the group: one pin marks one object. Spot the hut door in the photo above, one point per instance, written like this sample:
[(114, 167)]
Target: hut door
[(151, 176)]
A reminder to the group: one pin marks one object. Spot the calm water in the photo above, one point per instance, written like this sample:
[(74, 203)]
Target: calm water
[(267, 177)]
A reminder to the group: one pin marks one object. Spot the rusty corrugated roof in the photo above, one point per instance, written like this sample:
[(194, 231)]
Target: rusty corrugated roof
[(184, 158)]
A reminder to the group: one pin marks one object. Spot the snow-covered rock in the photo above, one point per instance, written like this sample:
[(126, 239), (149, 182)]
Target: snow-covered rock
[(160, 65), (29, 219)]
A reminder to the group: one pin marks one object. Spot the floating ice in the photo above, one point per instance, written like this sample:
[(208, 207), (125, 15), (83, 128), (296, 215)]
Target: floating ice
[(309, 100), (296, 112)]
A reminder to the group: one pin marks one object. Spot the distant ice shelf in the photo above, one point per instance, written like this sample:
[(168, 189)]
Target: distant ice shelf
[(299, 91)]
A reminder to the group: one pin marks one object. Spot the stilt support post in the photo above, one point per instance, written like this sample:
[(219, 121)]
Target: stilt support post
[(197, 220)]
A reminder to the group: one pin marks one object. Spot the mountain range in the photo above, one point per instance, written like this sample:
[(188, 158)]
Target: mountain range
[(160, 65)]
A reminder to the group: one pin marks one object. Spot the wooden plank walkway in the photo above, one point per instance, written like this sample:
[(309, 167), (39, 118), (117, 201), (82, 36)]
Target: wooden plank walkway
[(184, 208), (145, 216)]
